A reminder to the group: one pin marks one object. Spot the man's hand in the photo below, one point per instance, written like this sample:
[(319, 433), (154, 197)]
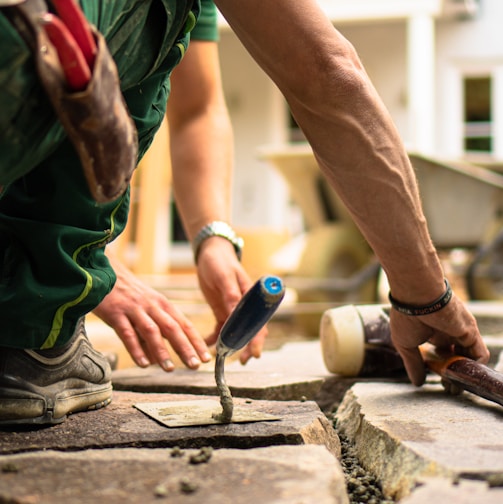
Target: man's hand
[(144, 320), (223, 282), (452, 328)]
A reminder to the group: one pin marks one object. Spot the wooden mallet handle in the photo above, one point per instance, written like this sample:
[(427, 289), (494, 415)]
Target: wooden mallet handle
[(466, 373)]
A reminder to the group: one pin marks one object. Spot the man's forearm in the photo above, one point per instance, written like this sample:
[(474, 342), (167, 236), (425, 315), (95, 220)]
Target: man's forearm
[(201, 140), (201, 186), (351, 133)]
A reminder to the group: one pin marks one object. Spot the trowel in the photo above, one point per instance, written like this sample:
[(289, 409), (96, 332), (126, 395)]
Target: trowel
[(253, 311)]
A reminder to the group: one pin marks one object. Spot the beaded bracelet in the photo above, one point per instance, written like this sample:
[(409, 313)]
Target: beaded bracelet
[(413, 310)]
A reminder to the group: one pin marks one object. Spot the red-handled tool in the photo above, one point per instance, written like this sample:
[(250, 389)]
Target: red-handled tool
[(73, 17), (465, 373), (71, 36), (76, 70)]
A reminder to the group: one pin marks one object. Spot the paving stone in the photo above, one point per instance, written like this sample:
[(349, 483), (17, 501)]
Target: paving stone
[(402, 433), (122, 425), (266, 386), (295, 371), (464, 491), (275, 475), (291, 373)]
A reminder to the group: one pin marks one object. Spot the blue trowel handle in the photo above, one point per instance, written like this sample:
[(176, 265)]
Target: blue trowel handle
[(253, 311)]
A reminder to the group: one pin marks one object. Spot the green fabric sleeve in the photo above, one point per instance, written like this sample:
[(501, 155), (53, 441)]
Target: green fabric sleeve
[(206, 27)]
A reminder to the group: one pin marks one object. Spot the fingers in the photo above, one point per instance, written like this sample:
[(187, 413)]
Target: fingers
[(254, 348), (414, 364), (474, 347), (184, 339), (451, 388), (145, 326), (144, 342), (451, 329), (131, 342), (159, 326), (459, 330)]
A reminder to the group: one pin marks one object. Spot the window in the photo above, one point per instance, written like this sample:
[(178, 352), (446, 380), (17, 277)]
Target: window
[(177, 232), (295, 134), (477, 115)]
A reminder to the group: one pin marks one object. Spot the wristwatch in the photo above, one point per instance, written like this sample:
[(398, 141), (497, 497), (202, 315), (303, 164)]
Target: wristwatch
[(218, 228)]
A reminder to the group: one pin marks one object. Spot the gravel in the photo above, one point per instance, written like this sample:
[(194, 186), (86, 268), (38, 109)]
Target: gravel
[(362, 487)]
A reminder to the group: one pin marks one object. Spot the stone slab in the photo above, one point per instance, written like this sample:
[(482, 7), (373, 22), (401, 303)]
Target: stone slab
[(293, 372), (402, 433), (445, 491), (270, 475), (122, 425), (265, 386)]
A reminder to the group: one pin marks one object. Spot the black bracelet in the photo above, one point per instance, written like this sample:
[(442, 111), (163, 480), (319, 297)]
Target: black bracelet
[(412, 310)]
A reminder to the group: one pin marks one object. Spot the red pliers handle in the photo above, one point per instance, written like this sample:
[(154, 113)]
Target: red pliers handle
[(73, 40)]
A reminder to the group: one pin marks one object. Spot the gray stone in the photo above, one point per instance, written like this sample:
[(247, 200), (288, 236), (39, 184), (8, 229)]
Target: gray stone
[(402, 433), (271, 475), (294, 371), (444, 491), (122, 425), (267, 386)]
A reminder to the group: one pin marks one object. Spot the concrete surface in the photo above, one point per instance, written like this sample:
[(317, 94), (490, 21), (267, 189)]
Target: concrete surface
[(272, 475)]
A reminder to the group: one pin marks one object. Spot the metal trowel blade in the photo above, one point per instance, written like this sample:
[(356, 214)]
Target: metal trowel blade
[(198, 412)]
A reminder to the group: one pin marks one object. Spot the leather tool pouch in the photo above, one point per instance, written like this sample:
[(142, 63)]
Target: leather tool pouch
[(96, 120)]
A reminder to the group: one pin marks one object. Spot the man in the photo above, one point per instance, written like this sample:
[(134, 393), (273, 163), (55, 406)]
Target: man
[(352, 136), (142, 317)]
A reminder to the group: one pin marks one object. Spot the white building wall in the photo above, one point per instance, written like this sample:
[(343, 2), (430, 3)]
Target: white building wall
[(259, 118), (470, 47)]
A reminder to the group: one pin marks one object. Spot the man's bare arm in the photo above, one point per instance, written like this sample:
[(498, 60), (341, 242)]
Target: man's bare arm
[(360, 152)]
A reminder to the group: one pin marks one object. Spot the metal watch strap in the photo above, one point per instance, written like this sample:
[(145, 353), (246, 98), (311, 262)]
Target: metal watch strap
[(217, 228)]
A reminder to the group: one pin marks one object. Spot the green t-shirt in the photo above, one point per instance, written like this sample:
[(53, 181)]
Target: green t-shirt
[(206, 27)]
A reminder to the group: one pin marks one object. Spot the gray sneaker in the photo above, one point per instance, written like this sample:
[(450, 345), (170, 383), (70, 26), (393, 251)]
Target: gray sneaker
[(36, 389)]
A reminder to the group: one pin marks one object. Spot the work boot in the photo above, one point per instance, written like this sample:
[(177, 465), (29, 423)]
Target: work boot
[(43, 387)]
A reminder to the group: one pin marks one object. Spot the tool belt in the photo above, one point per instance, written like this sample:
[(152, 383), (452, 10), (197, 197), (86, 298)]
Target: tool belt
[(96, 119)]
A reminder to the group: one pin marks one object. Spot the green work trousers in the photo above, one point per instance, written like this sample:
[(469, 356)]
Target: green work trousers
[(52, 233)]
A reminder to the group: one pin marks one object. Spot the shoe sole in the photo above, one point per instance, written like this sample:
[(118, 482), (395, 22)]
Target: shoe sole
[(35, 410)]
